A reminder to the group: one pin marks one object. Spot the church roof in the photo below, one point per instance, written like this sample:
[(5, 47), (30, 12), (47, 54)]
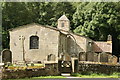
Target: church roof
[(50, 27), (32, 24), (63, 17)]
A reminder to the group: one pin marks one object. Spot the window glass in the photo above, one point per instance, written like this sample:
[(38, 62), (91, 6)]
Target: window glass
[(34, 42)]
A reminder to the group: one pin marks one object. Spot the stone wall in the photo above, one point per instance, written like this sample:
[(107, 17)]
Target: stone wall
[(62, 43), (102, 46), (81, 42), (75, 44), (50, 69), (86, 68), (98, 57), (20, 43)]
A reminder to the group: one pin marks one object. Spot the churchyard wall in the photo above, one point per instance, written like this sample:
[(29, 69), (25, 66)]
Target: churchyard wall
[(49, 70)]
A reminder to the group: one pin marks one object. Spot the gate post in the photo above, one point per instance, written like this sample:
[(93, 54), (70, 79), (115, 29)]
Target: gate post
[(74, 62)]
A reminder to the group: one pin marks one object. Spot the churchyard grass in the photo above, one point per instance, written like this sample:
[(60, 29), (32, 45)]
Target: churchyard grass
[(95, 75), (39, 77), (92, 75)]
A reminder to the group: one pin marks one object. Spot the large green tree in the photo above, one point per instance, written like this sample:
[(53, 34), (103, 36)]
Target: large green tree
[(61, 8), (97, 20), (45, 13), (13, 15)]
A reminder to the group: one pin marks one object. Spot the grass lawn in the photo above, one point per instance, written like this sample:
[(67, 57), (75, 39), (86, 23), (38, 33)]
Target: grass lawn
[(94, 75), (39, 77)]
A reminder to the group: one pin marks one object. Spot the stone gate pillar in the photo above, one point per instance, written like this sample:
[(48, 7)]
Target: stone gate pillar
[(74, 62)]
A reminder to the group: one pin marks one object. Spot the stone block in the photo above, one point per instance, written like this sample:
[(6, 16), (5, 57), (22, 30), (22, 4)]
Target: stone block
[(103, 57), (90, 56), (96, 59), (114, 61), (82, 56)]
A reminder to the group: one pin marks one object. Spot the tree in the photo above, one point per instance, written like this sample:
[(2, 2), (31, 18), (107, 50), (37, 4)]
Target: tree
[(97, 20), (61, 8), (45, 13), (13, 15)]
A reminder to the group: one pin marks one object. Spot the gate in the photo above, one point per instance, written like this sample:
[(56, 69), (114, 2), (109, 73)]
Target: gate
[(64, 66)]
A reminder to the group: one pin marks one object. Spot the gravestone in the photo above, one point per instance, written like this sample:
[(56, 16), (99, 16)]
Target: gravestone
[(103, 57), (110, 58), (6, 56), (114, 61), (119, 60), (51, 57), (90, 56), (96, 57), (82, 56)]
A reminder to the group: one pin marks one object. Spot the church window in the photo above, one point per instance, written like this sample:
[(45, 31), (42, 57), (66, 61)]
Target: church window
[(34, 42), (62, 24)]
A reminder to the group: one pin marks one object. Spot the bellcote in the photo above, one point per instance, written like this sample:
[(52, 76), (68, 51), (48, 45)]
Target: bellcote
[(109, 39), (63, 23)]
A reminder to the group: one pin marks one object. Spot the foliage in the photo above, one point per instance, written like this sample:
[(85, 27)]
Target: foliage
[(61, 8), (45, 13), (92, 19), (96, 20)]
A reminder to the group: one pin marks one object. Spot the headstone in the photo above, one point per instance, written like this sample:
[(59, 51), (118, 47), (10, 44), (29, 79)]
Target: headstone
[(82, 56), (6, 56), (103, 57), (51, 57), (110, 58), (96, 57), (114, 60), (119, 60), (90, 56)]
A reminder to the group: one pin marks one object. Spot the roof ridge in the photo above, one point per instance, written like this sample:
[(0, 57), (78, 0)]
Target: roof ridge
[(63, 17)]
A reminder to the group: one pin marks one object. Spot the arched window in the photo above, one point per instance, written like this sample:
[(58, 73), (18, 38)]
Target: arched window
[(34, 42)]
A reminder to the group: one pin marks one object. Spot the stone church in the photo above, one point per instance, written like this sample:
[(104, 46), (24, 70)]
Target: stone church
[(45, 44)]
